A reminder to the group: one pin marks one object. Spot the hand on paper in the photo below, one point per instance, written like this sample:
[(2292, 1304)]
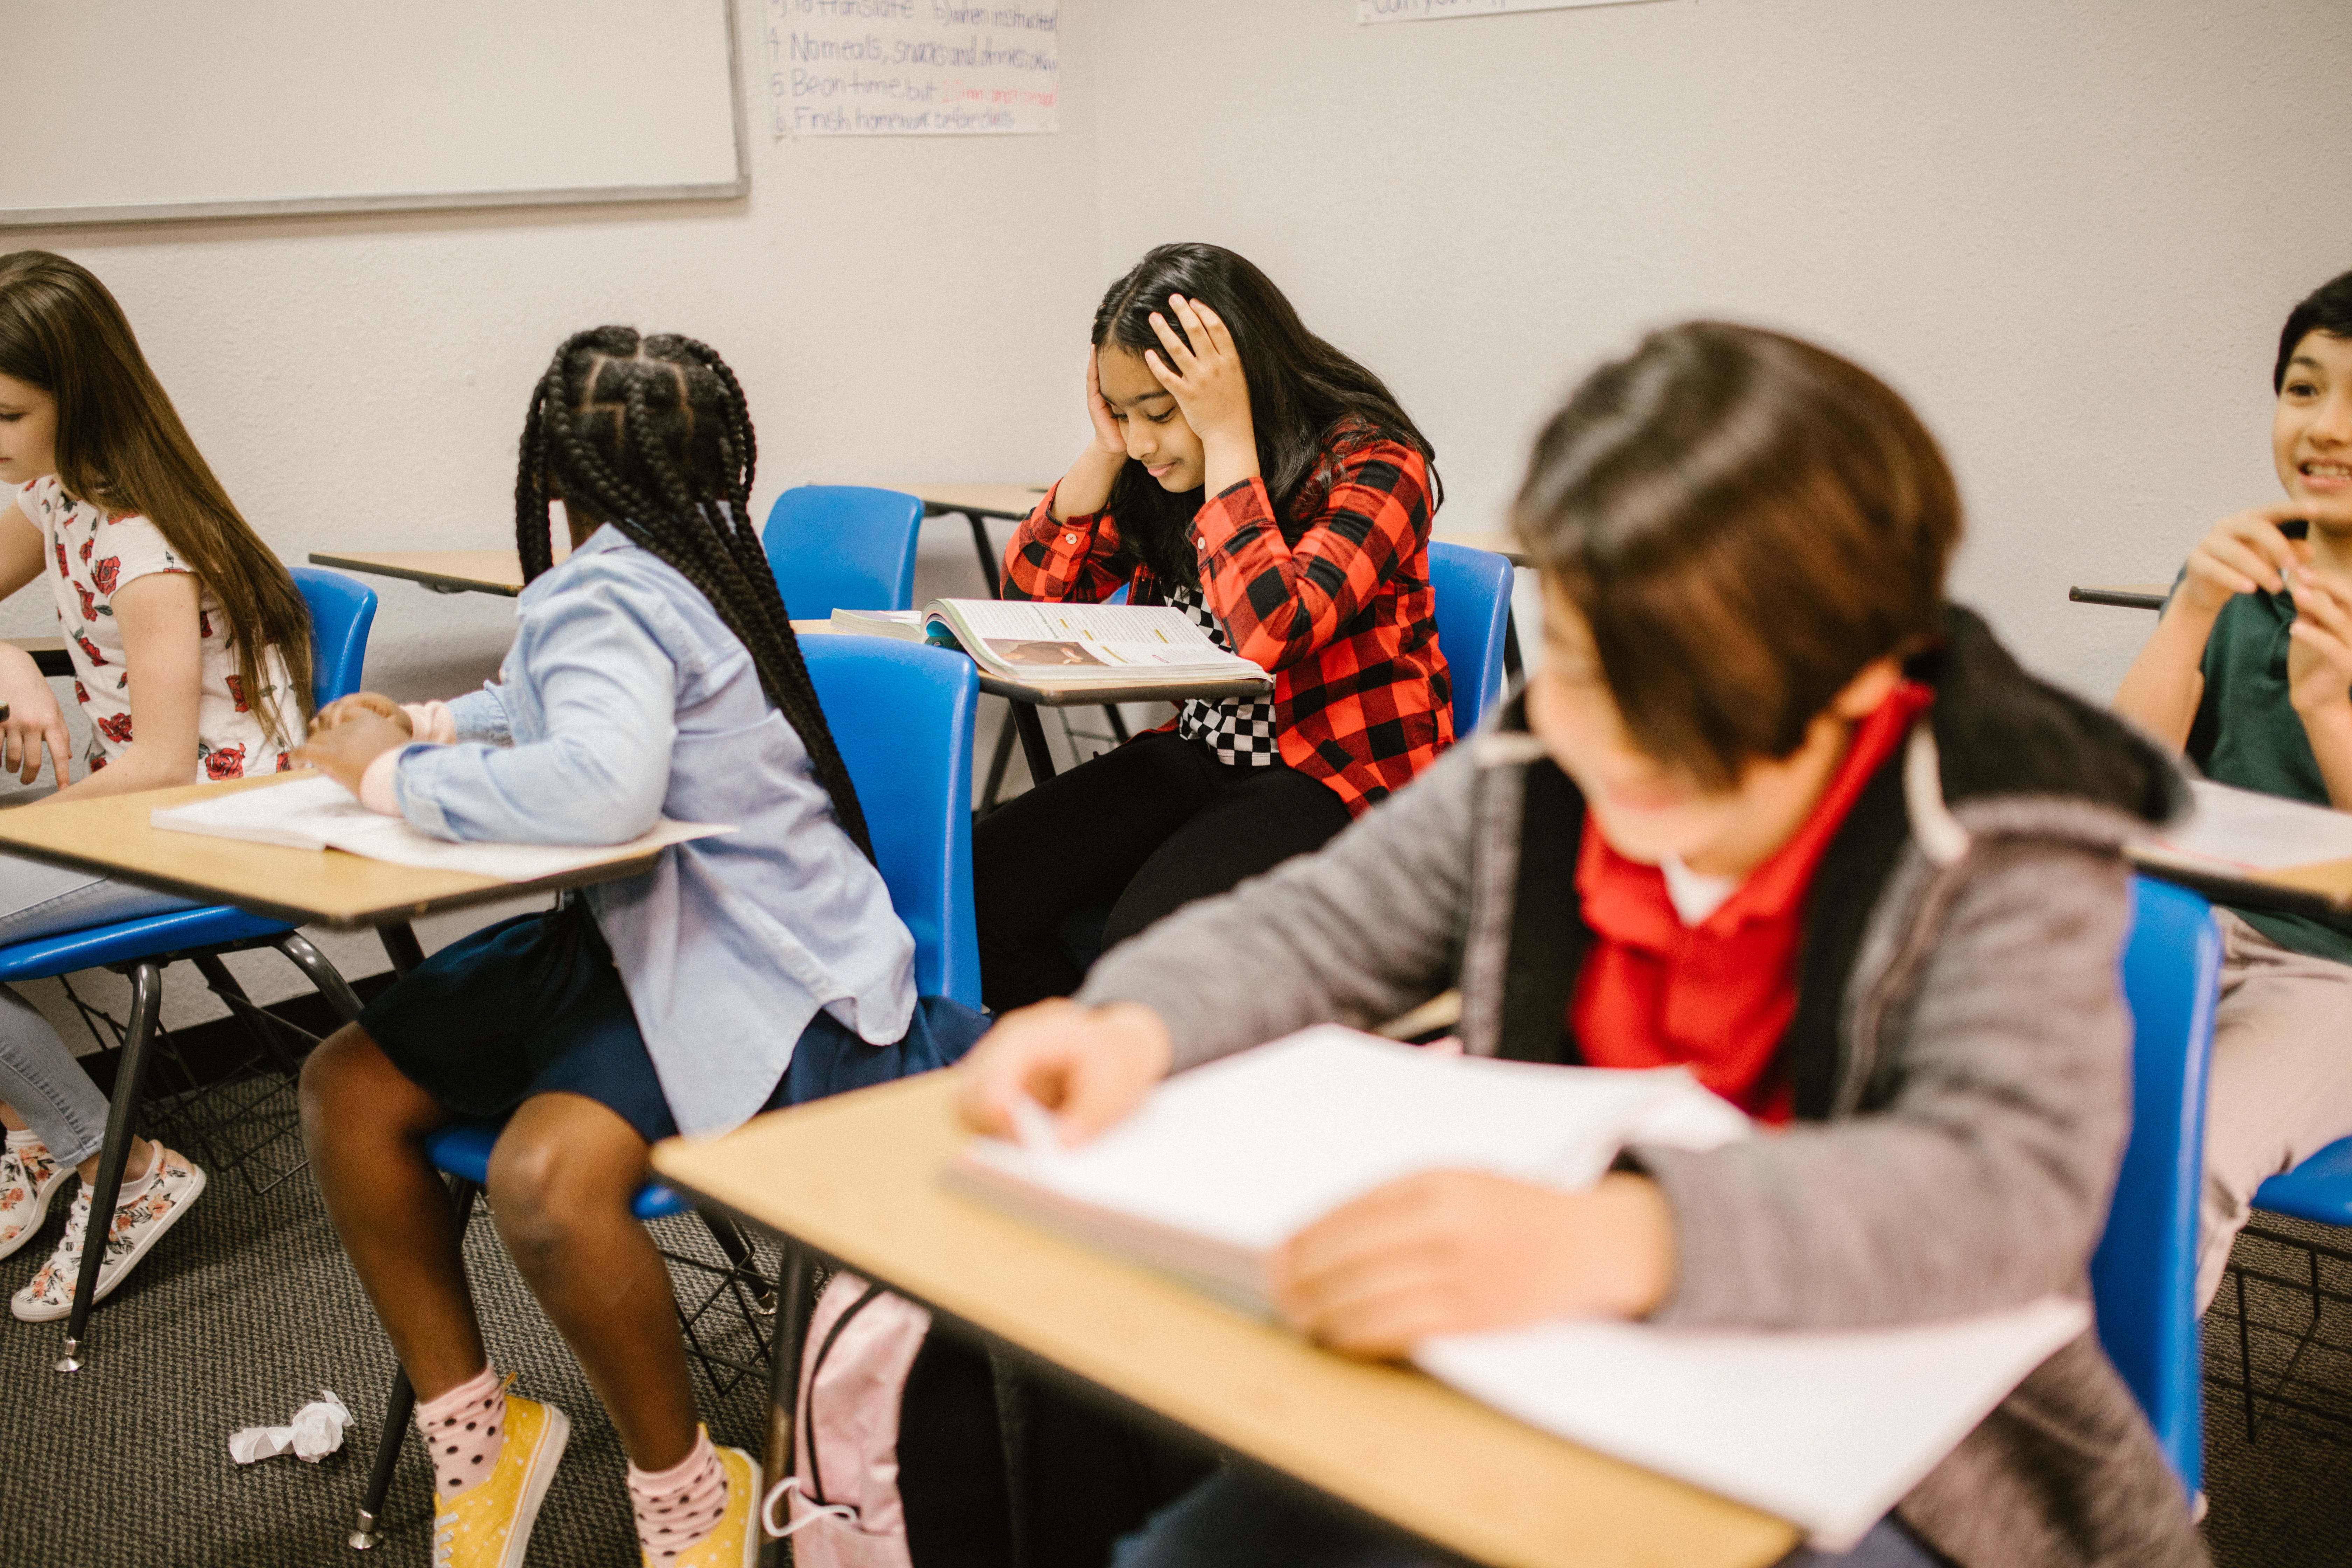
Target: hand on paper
[(2244, 552), (1204, 370), (1089, 1066), (32, 720), (1455, 1251), (358, 736), (357, 705)]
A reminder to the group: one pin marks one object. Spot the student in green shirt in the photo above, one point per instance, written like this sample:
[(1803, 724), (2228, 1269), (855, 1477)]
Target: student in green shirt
[(2250, 673)]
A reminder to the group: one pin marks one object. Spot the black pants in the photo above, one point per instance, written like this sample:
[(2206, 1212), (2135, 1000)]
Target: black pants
[(1139, 831)]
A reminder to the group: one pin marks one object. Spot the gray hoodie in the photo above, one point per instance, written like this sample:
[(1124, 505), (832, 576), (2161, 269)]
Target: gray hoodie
[(1959, 1055)]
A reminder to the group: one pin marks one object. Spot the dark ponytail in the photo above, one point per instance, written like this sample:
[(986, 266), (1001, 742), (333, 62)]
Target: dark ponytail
[(653, 436)]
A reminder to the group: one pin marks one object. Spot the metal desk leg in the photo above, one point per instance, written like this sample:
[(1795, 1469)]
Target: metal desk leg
[(1512, 670), (987, 555), (401, 946), (114, 1152), (1032, 742), (793, 1276), (996, 767)]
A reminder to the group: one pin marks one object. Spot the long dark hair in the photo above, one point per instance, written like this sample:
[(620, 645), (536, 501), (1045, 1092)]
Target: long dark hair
[(1301, 391), (121, 446), (653, 436)]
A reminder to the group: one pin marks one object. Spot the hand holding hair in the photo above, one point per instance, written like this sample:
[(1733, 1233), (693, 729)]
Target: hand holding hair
[(1201, 368), (1108, 438), (1091, 1067)]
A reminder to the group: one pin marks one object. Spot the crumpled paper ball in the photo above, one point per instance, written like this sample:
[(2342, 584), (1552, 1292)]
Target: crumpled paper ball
[(315, 1431)]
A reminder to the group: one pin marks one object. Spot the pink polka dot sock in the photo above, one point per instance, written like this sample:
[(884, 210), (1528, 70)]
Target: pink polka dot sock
[(679, 1507), (464, 1429)]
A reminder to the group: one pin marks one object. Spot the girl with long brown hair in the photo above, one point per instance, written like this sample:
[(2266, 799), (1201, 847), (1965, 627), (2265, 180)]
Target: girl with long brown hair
[(191, 652)]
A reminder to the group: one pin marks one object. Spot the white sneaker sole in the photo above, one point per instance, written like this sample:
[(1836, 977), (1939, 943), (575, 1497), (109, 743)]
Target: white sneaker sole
[(535, 1482), (42, 1312), (40, 1221)]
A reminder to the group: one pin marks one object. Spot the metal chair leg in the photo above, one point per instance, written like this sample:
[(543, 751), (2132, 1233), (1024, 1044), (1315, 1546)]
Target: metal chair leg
[(793, 1288), (324, 976), (731, 1242), (399, 1407), (129, 1084)]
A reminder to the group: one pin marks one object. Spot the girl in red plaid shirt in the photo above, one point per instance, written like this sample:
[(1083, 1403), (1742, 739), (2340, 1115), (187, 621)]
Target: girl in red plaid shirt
[(1247, 471)]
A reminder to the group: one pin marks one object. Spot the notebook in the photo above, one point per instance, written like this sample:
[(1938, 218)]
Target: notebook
[(1224, 1163), (319, 813)]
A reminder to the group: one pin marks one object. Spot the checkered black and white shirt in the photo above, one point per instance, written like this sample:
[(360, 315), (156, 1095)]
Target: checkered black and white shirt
[(1240, 732)]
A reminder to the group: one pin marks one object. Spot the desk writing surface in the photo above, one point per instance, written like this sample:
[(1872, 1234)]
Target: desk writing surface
[(1502, 542), (975, 500), (2323, 888), (856, 1177), (110, 834), (1090, 694), (457, 571)]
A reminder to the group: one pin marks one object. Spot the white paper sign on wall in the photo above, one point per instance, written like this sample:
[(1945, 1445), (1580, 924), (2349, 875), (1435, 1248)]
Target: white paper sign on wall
[(911, 67), (1371, 11)]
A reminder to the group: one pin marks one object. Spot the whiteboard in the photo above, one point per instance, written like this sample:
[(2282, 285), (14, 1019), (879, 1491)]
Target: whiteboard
[(135, 110)]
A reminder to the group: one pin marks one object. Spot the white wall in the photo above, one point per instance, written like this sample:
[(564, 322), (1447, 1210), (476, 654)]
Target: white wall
[(2070, 232), (892, 305)]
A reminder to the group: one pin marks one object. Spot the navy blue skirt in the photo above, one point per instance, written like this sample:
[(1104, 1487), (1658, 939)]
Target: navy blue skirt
[(534, 1005)]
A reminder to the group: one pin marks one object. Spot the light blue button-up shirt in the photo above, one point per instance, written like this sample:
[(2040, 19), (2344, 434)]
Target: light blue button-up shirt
[(625, 698)]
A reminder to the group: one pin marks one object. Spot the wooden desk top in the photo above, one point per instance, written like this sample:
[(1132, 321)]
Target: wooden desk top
[(110, 834), (1500, 540), (856, 1177), (2323, 888), (1046, 695), (1014, 501), (443, 570)]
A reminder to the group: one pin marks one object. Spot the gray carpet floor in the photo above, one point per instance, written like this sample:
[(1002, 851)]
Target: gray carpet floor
[(249, 1308)]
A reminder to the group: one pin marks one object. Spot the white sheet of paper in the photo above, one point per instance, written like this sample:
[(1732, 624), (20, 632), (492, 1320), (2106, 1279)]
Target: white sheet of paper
[(1248, 1150), (2259, 832), (319, 813), (1828, 1430)]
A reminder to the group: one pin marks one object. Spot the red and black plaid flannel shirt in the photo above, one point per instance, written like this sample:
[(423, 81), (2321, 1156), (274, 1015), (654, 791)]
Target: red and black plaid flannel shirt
[(1344, 619)]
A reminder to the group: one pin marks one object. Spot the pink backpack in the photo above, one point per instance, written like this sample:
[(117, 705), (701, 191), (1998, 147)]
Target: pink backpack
[(843, 1495)]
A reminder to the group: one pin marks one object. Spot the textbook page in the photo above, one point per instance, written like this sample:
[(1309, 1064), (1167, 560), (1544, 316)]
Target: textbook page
[(1828, 1430), (319, 813), (2254, 831), (1061, 642), (1224, 1163)]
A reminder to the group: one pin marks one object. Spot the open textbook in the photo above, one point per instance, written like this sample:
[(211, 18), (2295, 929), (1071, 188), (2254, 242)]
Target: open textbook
[(1046, 642), (2245, 830), (1224, 1163), (319, 813)]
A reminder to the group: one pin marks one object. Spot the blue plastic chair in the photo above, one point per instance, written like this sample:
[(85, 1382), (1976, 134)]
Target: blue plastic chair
[(902, 714), (1472, 588), (342, 611), (843, 547), (2144, 1275)]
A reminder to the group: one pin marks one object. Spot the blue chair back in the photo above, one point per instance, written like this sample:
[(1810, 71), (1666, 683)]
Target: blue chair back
[(342, 609), (2144, 1276), (902, 714), (843, 547), (1474, 603)]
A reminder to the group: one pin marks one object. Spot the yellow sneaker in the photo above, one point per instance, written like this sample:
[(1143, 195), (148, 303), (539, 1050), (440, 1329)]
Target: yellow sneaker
[(489, 1525), (736, 1543)]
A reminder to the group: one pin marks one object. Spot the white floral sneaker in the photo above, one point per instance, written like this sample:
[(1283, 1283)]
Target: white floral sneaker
[(164, 1194), (29, 1180)]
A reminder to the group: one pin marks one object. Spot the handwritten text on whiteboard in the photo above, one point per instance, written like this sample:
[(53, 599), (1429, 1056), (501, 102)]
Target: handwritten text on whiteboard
[(1368, 11), (913, 67)]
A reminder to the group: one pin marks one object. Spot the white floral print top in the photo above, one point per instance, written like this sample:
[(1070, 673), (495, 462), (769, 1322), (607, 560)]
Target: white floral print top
[(91, 557)]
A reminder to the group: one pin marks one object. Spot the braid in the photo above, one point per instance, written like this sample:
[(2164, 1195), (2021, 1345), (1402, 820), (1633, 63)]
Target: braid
[(673, 471)]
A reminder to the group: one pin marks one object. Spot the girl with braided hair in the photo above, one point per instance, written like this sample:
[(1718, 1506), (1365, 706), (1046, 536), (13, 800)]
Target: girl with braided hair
[(653, 672)]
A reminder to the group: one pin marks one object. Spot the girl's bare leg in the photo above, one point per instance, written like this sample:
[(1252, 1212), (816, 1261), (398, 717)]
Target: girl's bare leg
[(365, 1123)]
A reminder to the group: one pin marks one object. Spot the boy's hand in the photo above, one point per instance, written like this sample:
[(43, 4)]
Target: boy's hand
[(358, 736), (2244, 552), (345, 708), (29, 720), (2319, 652), (1089, 1066), (1453, 1251)]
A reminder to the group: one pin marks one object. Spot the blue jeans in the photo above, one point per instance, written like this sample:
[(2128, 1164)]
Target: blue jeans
[(39, 1079), (1239, 1522)]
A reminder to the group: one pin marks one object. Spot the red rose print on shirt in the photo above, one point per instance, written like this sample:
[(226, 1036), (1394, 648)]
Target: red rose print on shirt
[(228, 762), (88, 605), (80, 695), (237, 692), (285, 762), (86, 545), (204, 624), (106, 574), (90, 650), (61, 558), (117, 728)]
